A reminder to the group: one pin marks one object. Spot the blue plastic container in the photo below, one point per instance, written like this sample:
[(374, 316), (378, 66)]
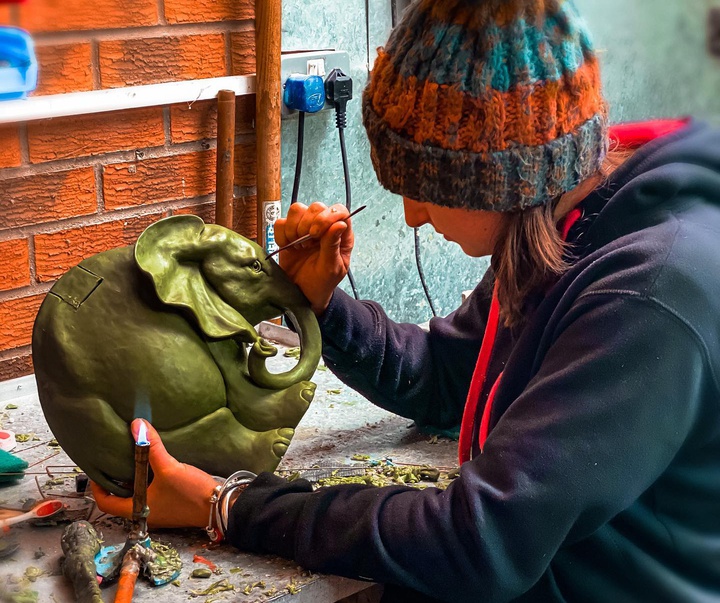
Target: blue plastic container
[(18, 64)]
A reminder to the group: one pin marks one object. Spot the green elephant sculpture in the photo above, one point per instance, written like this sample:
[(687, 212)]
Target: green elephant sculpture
[(161, 330)]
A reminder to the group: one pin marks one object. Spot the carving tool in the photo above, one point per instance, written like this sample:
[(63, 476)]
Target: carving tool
[(307, 237)]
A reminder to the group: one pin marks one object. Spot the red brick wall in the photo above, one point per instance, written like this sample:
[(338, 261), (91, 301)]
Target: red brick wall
[(73, 187)]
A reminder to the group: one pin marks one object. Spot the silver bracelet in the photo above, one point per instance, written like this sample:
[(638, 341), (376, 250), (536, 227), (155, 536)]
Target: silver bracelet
[(220, 503)]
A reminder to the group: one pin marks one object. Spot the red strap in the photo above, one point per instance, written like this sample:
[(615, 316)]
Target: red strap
[(479, 375), (635, 134), (573, 216), (485, 423), (477, 382)]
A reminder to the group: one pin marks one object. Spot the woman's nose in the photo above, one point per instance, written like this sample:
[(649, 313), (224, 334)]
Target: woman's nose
[(415, 214)]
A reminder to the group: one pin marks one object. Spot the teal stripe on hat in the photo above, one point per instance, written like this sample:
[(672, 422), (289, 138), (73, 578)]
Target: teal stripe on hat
[(520, 54)]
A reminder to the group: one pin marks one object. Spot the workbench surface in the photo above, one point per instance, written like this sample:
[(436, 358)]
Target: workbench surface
[(339, 424)]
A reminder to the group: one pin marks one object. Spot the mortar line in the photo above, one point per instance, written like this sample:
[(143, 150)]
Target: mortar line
[(167, 126), (228, 54), (158, 152), (95, 64), (31, 260), (125, 213), (141, 32), (99, 196), (24, 292), (14, 352), (24, 144), (161, 12)]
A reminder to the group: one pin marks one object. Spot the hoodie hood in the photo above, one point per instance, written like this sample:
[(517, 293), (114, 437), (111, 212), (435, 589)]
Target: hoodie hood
[(664, 175)]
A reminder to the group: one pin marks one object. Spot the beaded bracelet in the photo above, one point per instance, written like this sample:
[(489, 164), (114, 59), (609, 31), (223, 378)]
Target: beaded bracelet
[(220, 503)]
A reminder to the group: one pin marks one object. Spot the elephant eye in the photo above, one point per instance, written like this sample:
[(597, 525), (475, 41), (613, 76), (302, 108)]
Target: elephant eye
[(257, 266)]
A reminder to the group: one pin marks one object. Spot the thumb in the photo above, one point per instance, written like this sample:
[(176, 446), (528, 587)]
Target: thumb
[(330, 244), (108, 503), (159, 456)]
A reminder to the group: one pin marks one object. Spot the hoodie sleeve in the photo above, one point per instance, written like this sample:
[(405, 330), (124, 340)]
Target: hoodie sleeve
[(603, 417), (418, 374)]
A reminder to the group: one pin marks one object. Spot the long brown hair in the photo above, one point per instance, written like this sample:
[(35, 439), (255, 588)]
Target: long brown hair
[(530, 252)]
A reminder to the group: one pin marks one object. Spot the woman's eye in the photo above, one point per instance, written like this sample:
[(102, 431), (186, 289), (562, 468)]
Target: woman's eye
[(257, 266)]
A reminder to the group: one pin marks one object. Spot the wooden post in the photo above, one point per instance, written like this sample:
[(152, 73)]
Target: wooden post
[(225, 175), (268, 37)]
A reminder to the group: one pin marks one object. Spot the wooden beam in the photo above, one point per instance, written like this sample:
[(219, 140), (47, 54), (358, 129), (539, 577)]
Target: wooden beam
[(268, 32)]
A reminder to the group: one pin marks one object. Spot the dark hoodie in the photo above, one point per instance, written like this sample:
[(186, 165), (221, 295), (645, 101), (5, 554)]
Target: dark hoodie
[(600, 479)]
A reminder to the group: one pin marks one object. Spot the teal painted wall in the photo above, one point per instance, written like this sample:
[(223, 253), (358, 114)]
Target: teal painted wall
[(655, 64), (655, 57)]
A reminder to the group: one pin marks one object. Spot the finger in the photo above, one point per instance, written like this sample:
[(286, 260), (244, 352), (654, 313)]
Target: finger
[(339, 211), (330, 216), (109, 503), (159, 456), (295, 213), (279, 228), (347, 241), (330, 258), (316, 212)]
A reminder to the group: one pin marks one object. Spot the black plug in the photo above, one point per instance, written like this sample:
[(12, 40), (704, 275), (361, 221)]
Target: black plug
[(338, 91)]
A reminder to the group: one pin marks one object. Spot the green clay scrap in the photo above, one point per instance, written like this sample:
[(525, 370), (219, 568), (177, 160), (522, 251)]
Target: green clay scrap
[(80, 543), (163, 330)]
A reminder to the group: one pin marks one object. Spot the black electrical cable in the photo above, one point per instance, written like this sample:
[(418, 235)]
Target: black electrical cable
[(298, 172), (298, 158), (338, 90), (348, 192), (346, 171), (420, 271)]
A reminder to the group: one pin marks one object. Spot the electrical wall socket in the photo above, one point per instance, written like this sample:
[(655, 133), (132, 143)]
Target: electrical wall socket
[(312, 62)]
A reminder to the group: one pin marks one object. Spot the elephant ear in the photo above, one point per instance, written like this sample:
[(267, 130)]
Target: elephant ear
[(170, 251)]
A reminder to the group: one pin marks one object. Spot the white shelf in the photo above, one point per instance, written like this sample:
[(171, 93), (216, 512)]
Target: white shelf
[(118, 99)]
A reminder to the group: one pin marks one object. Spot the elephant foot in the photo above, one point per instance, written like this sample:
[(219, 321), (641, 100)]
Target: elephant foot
[(220, 445), (280, 447)]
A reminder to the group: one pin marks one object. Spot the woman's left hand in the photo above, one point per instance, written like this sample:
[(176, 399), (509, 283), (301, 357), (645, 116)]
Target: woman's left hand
[(178, 497)]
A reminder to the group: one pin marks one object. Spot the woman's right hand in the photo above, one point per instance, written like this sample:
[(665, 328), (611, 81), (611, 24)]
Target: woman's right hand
[(318, 265)]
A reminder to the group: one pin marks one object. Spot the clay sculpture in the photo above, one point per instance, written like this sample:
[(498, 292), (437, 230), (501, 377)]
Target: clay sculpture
[(161, 330)]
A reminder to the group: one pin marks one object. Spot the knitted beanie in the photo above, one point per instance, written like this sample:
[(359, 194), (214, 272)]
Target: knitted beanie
[(486, 104)]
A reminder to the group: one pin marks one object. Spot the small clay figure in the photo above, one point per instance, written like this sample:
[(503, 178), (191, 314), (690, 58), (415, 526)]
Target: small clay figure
[(159, 330), (80, 544)]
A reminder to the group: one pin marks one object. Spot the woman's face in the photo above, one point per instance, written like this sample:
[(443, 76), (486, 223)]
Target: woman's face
[(474, 230)]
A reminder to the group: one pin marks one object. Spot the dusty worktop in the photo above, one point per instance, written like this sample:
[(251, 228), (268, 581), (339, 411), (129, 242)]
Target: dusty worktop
[(339, 425)]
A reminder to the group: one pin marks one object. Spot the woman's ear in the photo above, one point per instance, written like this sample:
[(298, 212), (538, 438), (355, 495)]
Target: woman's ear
[(170, 251)]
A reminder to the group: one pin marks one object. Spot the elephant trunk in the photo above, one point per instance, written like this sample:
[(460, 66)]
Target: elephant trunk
[(308, 330)]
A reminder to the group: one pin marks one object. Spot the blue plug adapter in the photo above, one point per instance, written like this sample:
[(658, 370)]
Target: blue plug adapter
[(304, 93)]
